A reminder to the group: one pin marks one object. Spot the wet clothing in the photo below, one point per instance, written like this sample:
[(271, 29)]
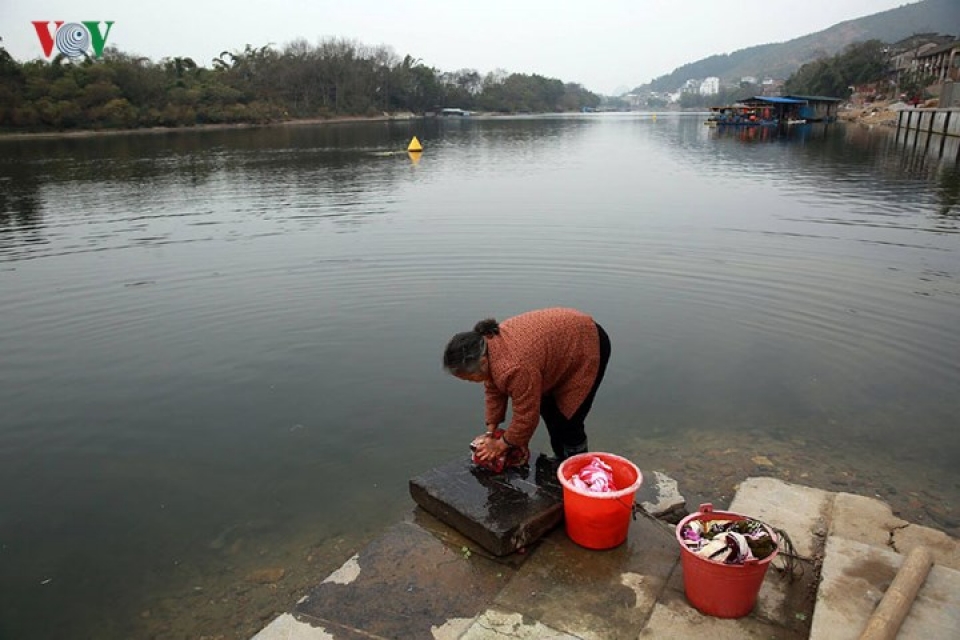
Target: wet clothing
[(512, 457), (548, 363)]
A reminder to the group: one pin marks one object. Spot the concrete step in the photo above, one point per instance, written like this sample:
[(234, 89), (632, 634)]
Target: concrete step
[(425, 579), (419, 580), (857, 544), (593, 594), (855, 577)]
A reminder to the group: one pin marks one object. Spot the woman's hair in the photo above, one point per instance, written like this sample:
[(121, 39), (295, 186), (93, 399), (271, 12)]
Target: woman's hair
[(464, 351)]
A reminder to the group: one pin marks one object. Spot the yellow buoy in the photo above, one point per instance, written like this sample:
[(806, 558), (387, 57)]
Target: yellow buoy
[(414, 145)]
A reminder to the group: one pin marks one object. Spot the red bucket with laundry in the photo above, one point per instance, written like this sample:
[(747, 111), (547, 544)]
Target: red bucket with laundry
[(717, 588), (598, 518)]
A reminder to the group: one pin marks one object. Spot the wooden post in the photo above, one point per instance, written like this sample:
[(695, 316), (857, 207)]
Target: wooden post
[(885, 622), (946, 128)]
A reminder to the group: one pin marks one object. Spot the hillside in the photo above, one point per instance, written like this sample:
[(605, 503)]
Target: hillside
[(779, 60)]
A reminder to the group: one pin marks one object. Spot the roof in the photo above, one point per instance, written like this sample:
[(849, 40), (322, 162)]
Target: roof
[(816, 98), (778, 100), (942, 48)]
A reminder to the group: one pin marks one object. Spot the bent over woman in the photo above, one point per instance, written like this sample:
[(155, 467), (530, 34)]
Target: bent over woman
[(549, 363)]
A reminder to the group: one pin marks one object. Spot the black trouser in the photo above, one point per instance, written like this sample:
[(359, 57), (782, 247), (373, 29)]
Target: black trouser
[(570, 432)]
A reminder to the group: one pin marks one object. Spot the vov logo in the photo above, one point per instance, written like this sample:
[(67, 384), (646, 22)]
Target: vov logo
[(73, 39)]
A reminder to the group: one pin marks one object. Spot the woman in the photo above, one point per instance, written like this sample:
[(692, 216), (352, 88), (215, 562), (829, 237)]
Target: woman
[(548, 363)]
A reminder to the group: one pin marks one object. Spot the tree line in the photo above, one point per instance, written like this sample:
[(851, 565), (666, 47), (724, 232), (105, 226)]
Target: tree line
[(263, 84)]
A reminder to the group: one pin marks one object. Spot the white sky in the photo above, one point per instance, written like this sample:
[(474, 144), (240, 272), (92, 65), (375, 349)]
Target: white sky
[(602, 44)]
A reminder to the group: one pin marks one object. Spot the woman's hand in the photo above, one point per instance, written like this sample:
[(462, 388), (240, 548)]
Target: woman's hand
[(490, 448)]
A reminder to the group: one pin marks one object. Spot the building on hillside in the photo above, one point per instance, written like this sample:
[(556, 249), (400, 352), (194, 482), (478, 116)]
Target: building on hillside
[(868, 92), (771, 87), (903, 54), (748, 80), (690, 86), (941, 63), (710, 86)]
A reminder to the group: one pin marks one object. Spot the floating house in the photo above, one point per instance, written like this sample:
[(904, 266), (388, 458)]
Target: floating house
[(818, 108), (775, 110)]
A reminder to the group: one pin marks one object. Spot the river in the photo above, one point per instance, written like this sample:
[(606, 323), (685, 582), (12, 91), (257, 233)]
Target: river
[(220, 350)]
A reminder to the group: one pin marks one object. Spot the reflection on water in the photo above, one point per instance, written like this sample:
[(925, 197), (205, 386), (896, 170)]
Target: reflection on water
[(221, 348)]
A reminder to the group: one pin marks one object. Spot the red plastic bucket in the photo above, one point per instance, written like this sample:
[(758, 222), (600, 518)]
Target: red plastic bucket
[(599, 520), (718, 589)]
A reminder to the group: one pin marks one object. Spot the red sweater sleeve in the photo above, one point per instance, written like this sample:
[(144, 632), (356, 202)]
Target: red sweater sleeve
[(496, 403), (524, 387)]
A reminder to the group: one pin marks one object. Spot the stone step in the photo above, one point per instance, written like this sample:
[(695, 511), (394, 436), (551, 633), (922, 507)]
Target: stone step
[(803, 512), (857, 544), (419, 580), (594, 594), (854, 578), (425, 579), (501, 512), (872, 522)]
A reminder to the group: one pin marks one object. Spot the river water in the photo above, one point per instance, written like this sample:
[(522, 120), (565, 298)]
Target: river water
[(220, 350)]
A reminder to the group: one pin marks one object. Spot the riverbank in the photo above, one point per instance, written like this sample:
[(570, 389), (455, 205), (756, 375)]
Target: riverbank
[(251, 581), (845, 550), (881, 113), (90, 133)]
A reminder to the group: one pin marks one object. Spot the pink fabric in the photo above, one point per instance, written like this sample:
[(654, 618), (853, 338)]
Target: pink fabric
[(595, 476)]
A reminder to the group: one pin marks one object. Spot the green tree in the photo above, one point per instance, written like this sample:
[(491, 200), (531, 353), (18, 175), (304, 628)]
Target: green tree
[(859, 63)]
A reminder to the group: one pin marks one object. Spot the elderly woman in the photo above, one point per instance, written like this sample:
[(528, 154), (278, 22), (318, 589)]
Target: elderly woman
[(548, 363)]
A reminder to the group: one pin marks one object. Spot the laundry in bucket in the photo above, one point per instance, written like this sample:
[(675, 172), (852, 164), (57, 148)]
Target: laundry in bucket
[(728, 541), (596, 476), (512, 457)]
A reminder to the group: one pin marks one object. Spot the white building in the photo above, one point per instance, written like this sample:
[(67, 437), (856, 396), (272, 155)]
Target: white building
[(710, 86)]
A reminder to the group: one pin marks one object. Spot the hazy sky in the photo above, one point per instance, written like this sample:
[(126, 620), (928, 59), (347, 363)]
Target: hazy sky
[(602, 44)]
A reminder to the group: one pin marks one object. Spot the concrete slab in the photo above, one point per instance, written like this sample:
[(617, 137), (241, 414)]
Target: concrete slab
[(871, 521), (425, 579), (854, 578), (674, 618), (508, 625), (500, 512), (289, 627), (594, 595), (945, 550), (407, 584), (803, 512), (286, 627), (863, 519), (787, 602)]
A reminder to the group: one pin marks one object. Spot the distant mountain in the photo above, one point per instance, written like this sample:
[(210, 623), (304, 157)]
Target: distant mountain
[(779, 60)]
